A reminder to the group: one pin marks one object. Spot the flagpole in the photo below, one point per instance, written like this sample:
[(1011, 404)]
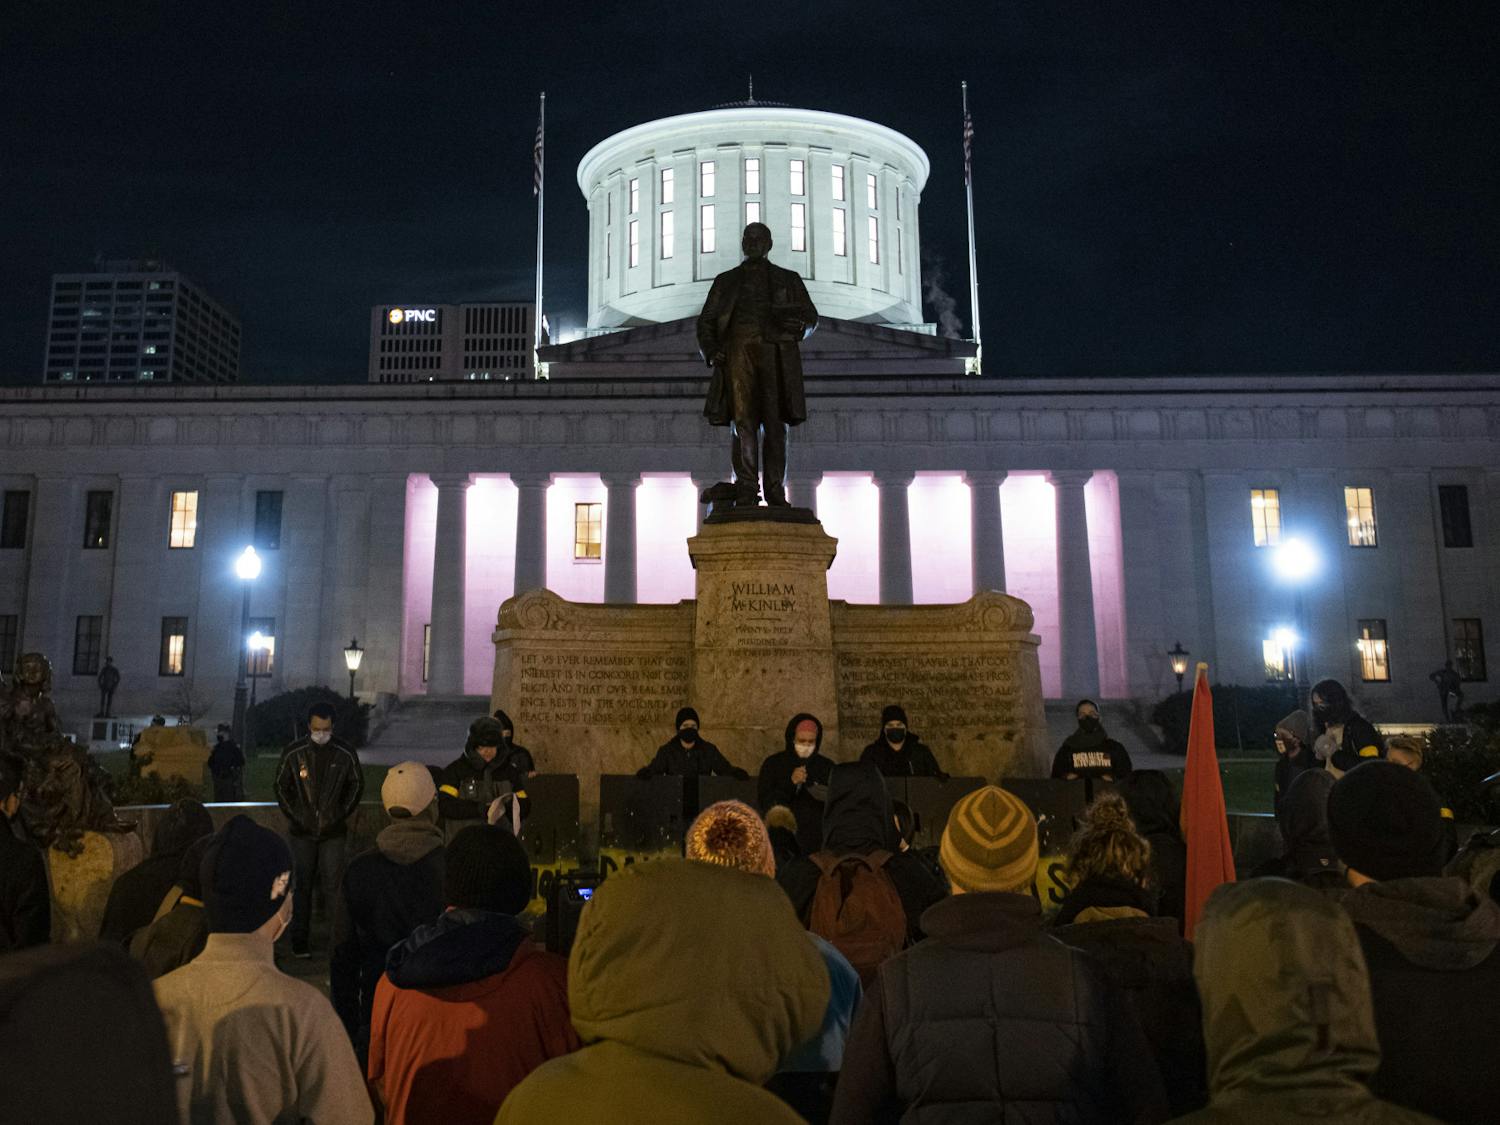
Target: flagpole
[(538, 188), (969, 197)]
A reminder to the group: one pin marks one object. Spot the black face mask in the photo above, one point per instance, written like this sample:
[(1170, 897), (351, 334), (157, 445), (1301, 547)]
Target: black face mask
[(1323, 715), (895, 737), (507, 738), (688, 736), (1090, 723)]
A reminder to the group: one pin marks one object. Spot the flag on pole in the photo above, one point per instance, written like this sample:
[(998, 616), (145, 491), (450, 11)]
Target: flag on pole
[(1205, 824), (536, 159), (968, 142)]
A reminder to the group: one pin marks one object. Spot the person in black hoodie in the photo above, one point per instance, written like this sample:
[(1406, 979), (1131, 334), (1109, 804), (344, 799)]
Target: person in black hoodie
[(897, 752), (1294, 753), (1307, 854), (1089, 753), (137, 894), (687, 755), (488, 770), (797, 778), (1350, 737), (179, 935), (857, 820), (1157, 815)]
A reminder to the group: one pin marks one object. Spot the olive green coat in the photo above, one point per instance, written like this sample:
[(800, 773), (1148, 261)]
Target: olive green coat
[(688, 984)]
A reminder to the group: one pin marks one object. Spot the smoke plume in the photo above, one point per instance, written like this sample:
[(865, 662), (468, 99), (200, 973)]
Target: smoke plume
[(939, 299)]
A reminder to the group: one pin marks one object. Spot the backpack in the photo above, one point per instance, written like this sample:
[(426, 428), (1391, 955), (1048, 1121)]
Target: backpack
[(857, 909)]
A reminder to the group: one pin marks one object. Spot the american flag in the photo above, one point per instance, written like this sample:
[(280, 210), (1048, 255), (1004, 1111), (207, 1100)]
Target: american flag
[(536, 161), (968, 144)]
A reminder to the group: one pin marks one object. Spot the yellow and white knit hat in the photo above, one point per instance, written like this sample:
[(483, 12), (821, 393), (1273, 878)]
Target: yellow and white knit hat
[(990, 842)]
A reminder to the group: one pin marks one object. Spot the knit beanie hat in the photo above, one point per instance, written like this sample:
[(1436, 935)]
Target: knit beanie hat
[(990, 842), (407, 789), (683, 716), (487, 869), (728, 833), (1299, 725), (246, 874), (894, 713), (808, 727), (484, 732), (1385, 822)]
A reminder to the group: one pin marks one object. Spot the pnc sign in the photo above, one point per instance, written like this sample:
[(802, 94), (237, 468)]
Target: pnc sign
[(399, 316)]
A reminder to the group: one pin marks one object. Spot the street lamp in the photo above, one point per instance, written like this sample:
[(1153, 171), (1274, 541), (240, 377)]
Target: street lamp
[(352, 656), (1296, 561), (247, 568), (1179, 658)]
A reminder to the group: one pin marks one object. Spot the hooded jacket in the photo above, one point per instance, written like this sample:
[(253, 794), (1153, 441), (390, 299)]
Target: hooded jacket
[(805, 800), (1090, 753), (1307, 854), (467, 1008), (857, 820), (914, 759), (688, 984), (137, 894), (673, 759), (469, 783), (1431, 947), (387, 892), (1287, 1019), (1155, 809)]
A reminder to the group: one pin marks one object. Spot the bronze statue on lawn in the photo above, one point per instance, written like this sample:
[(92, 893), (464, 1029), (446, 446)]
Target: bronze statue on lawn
[(754, 317)]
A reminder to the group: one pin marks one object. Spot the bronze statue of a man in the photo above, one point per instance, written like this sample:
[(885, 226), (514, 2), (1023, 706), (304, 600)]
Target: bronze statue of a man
[(748, 332)]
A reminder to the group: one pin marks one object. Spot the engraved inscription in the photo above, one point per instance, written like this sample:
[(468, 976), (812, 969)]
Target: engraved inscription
[(933, 687), (764, 611), (599, 689)]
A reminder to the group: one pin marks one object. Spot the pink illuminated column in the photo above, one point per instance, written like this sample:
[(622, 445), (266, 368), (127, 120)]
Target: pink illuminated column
[(1075, 586), (619, 536), (895, 536), (445, 661), (531, 530), (987, 534)]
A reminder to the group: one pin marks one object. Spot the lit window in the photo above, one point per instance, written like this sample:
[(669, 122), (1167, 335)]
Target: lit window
[(872, 196), (635, 196), (1277, 657), (633, 239), (706, 179), (706, 235), (149, 349), (173, 646), (797, 177), (838, 182), (666, 234), (874, 238), (752, 175), (667, 178), (752, 213), (1374, 654), (261, 643), (799, 226), (1359, 506), (1265, 516), (588, 531), (840, 238), (1468, 648), (184, 520)]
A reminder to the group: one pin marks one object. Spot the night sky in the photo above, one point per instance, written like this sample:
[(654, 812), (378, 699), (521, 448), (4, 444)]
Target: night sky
[(1207, 188)]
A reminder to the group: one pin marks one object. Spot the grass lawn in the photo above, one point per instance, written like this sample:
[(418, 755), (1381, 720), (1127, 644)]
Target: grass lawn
[(260, 775), (1248, 783)]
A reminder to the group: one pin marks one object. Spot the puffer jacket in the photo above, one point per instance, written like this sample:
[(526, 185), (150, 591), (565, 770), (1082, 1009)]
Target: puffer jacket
[(1287, 1020), (319, 787), (991, 1020), (688, 983)]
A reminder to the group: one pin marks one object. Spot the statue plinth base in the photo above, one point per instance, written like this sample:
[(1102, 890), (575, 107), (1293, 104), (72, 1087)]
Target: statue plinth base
[(80, 884)]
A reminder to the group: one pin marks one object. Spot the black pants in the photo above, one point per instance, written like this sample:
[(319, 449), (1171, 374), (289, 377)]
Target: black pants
[(757, 449), (106, 701), (313, 860)]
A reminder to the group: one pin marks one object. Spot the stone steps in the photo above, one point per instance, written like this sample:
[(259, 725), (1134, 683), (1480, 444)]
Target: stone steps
[(425, 730)]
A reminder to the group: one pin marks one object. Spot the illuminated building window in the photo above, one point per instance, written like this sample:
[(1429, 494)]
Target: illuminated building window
[(184, 531), (872, 196), (666, 234), (838, 182), (797, 177), (588, 531), (1374, 653), (1468, 649), (1277, 657), (752, 175), (633, 240), (635, 196), (667, 179), (799, 226), (706, 234), (173, 646), (840, 236), (874, 238), (752, 212), (1359, 506), (262, 645), (1265, 516), (706, 179)]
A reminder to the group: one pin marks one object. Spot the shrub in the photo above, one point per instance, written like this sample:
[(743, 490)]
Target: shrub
[(274, 722), (1244, 717), (1456, 761)]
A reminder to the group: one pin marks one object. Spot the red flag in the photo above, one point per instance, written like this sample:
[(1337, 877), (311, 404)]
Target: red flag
[(1205, 824)]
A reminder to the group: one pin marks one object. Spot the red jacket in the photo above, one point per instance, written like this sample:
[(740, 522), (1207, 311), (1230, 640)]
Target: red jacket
[(466, 1009)]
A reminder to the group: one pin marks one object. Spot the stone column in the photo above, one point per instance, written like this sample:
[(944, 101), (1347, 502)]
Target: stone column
[(445, 662), (700, 482), (531, 530), (1075, 586), (987, 544), (895, 536), (802, 484), (619, 536)]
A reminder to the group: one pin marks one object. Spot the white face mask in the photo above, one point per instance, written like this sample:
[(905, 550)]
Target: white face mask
[(320, 737), (804, 749)]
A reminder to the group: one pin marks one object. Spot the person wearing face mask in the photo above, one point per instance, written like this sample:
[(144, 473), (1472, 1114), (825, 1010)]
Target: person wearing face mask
[(318, 786), (687, 755), (1089, 753), (899, 753), (797, 777), (1345, 737), (517, 757), (251, 1043), (488, 771)]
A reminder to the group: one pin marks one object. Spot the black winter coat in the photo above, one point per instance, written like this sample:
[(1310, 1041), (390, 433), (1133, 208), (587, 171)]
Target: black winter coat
[(470, 784), (914, 759), (137, 894), (25, 898), (990, 1020), (805, 800), (1154, 808), (675, 760), (319, 787), (1361, 742)]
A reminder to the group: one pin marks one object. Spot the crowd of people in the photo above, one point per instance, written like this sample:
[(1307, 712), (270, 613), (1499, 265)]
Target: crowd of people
[(804, 960)]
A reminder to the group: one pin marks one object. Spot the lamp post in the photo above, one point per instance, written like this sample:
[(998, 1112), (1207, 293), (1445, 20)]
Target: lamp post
[(352, 656), (1296, 561), (1179, 658), (247, 568)]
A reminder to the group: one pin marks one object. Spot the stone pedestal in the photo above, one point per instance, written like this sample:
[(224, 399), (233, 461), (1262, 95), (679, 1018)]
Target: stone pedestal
[(80, 884)]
